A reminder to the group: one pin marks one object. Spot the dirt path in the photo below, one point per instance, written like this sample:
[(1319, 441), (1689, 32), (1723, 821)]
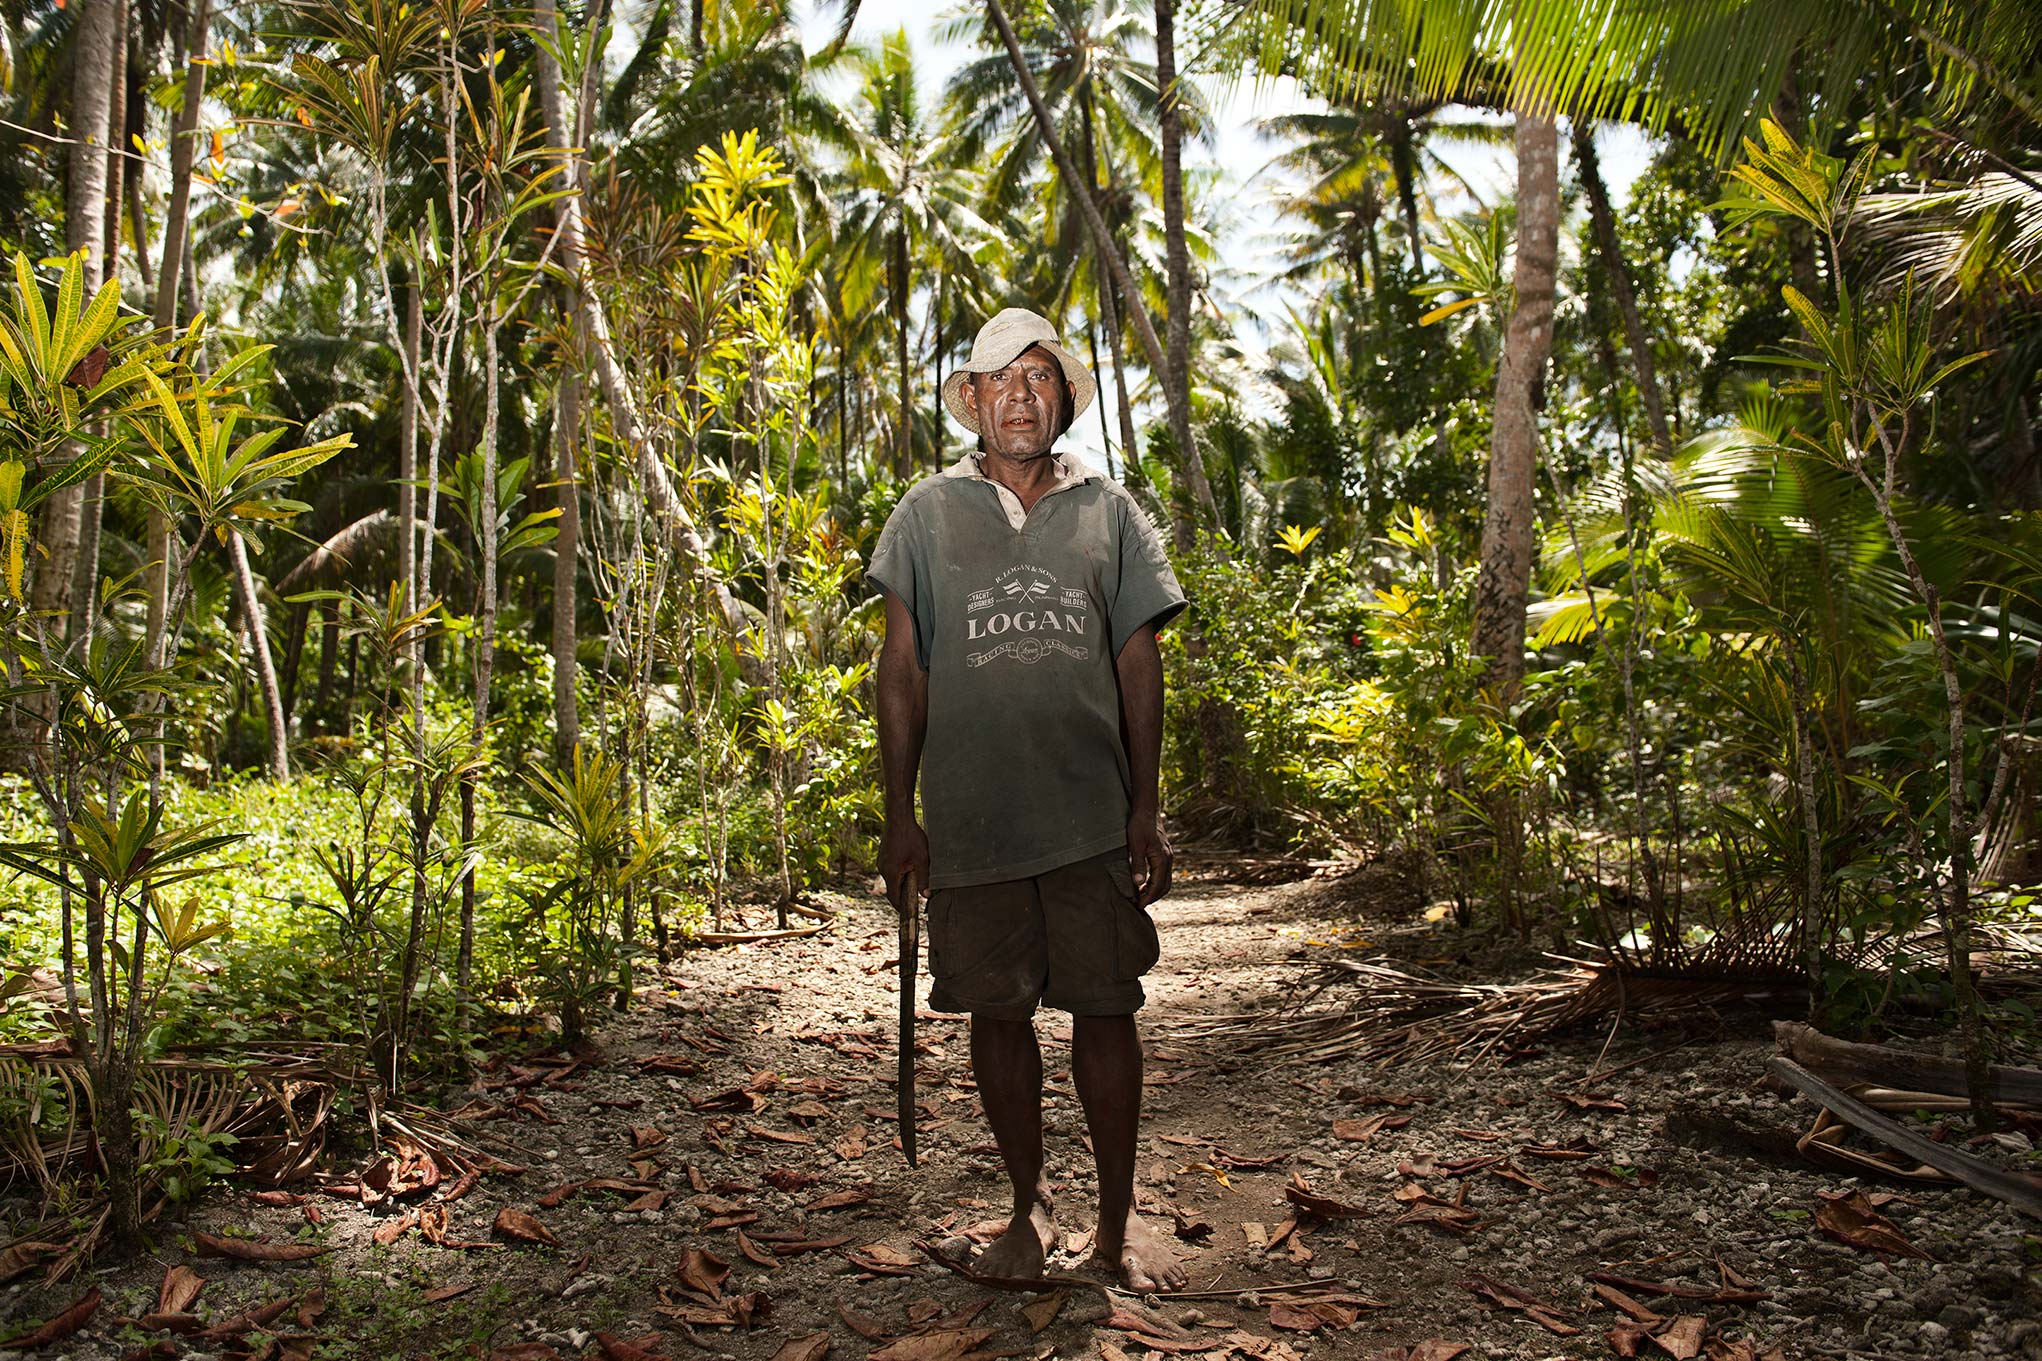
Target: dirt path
[(752, 1094)]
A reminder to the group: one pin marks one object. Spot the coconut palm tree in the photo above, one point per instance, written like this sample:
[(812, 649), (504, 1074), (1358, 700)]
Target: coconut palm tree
[(911, 194)]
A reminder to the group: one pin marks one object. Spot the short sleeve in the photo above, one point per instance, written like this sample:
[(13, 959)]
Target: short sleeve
[(899, 567), (1148, 591)]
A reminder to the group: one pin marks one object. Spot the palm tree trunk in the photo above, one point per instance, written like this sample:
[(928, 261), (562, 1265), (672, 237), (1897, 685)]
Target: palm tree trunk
[(92, 499), (1404, 160), (84, 229), (1105, 427), (176, 230), (1176, 371), (485, 647), (265, 671), (657, 486), (566, 576), (1504, 582), (904, 450), (1102, 243), (1619, 273)]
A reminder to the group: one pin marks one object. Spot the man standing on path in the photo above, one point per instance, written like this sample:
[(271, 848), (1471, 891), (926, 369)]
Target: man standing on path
[(1020, 681)]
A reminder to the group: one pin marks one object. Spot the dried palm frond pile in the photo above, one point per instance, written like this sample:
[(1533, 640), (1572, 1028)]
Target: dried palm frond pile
[(1389, 1014), (276, 1112)]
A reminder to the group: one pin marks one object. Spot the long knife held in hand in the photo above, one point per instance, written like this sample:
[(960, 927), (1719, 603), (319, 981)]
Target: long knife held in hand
[(908, 906)]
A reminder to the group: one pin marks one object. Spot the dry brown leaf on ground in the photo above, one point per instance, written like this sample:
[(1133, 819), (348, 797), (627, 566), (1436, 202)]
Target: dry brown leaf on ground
[(813, 1347), (1625, 1305), (790, 1179), (1507, 1296), (1325, 1207), (181, 1286), (651, 1200), (1431, 1349), (1627, 1337), (1042, 1312), (60, 1327), (1190, 1225), (525, 1228), (737, 1311), (1682, 1338), (644, 1137), (310, 1306), (778, 1136), (282, 1200), (394, 1228), (863, 1325), (1305, 1317), (559, 1195), (1362, 1130), (241, 1324), (703, 1272), (754, 1253), (643, 1348), (792, 1244), (1850, 1219), (838, 1200), (447, 1292), (951, 1345), (244, 1250), (1429, 1209), (23, 1257)]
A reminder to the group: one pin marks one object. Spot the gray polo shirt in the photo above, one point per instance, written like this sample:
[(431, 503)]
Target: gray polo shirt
[(1018, 618)]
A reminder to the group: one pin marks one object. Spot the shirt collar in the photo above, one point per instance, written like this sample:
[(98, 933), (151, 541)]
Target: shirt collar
[(1069, 469)]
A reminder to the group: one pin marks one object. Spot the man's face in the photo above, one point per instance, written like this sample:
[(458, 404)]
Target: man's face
[(1021, 408)]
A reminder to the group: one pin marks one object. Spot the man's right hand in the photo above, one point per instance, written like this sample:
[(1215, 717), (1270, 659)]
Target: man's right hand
[(904, 850)]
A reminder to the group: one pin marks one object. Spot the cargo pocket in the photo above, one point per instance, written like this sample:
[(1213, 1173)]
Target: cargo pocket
[(1136, 946)]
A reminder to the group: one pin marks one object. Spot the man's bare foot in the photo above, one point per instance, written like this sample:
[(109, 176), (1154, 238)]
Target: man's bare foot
[(1018, 1254), (1141, 1258)]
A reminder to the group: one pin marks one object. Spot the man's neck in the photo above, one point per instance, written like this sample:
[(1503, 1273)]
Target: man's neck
[(1027, 478)]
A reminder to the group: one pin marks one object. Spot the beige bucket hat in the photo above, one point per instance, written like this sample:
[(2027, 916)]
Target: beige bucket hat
[(999, 343)]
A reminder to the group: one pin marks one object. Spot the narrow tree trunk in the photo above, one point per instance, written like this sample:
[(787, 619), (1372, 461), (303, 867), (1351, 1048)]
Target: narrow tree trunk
[(1105, 427), (1102, 242), (116, 141), (566, 562), (265, 672), (1811, 827), (1176, 372), (1404, 160), (658, 487), (1504, 581), (176, 245), (485, 648), (407, 452), (92, 499), (1182, 532), (904, 449), (1621, 292), (84, 229)]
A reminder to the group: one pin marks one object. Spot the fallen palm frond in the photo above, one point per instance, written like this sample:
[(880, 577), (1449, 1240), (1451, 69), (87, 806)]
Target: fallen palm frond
[(276, 1113), (1394, 1015)]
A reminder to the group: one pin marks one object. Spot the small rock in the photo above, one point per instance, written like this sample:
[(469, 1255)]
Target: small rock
[(1932, 1335), (1958, 1317), (588, 1283)]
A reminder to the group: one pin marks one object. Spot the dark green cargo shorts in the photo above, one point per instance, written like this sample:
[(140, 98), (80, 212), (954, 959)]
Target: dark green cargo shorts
[(1073, 938)]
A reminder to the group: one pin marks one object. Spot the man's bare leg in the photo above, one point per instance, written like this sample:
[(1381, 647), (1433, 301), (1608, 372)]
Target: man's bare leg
[(1106, 1066), (1006, 1061)]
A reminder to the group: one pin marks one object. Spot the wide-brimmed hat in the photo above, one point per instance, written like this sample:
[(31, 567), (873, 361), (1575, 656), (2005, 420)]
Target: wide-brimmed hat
[(999, 343)]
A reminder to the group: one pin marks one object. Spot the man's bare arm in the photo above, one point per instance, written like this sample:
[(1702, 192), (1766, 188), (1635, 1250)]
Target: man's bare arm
[(1140, 667), (903, 724)]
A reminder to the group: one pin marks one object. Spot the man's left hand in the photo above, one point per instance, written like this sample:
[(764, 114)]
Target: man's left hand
[(1148, 857)]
